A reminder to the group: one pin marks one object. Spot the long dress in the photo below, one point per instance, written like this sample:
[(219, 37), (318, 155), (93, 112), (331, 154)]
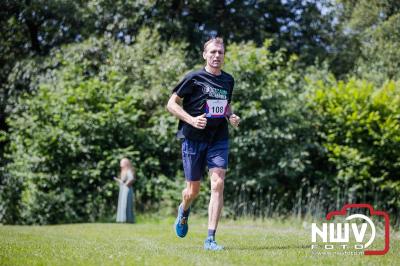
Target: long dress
[(125, 200)]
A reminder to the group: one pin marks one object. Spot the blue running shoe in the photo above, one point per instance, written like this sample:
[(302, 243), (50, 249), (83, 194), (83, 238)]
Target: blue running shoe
[(181, 222), (210, 244)]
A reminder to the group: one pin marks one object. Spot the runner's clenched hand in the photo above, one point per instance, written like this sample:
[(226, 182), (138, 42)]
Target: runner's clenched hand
[(234, 120), (199, 122)]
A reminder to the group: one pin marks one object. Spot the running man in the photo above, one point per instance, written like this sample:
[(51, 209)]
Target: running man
[(201, 101)]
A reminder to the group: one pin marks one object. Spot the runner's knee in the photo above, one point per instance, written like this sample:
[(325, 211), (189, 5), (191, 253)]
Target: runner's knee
[(217, 185), (190, 193)]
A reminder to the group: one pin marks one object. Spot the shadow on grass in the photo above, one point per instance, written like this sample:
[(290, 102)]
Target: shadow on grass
[(268, 247)]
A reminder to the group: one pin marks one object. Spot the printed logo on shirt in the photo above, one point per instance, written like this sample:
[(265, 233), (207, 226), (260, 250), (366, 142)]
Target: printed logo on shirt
[(214, 92)]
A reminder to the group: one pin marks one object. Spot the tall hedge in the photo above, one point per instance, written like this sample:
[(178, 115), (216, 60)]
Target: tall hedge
[(358, 124)]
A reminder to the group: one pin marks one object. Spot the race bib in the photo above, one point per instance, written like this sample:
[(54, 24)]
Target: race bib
[(216, 108)]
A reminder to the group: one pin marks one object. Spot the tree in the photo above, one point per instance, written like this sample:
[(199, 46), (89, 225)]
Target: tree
[(298, 26), (367, 39), (380, 55)]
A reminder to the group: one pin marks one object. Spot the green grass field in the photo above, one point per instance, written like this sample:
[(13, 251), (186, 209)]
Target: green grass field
[(153, 242)]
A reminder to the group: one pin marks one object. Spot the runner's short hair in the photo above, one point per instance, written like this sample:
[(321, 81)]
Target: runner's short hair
[(217, 40)]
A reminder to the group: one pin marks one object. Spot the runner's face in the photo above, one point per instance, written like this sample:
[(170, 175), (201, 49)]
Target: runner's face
[(214, 55)]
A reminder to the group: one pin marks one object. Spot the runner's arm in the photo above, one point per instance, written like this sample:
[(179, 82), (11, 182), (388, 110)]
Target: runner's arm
[(228, 111), (232, 118), (174, 106)]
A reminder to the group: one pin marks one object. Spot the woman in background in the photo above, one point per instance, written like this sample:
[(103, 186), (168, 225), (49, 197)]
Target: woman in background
[(125, 199)]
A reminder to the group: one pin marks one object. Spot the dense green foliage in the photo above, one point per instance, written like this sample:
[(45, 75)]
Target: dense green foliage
[(103, 102), (269, 151), (31, 29)]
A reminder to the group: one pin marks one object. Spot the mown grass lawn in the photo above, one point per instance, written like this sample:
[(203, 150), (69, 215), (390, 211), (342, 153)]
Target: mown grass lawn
[(153, 242)]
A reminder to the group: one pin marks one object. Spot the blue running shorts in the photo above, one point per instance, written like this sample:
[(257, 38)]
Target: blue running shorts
[(196, 154)]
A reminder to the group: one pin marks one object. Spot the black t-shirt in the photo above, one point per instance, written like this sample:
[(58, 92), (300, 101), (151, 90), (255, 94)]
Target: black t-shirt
[(203, 92)]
